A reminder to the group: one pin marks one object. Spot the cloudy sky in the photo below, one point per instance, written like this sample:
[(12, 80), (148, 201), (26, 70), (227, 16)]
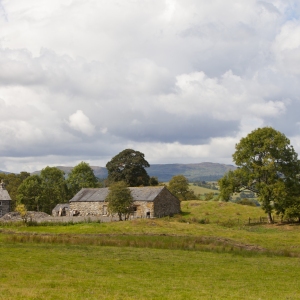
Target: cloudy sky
[(179, 80)]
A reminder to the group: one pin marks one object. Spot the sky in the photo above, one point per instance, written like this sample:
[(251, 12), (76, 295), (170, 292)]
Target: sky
[(180, 80)]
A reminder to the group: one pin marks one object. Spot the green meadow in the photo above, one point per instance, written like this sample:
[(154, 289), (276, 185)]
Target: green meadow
[(181, 257)]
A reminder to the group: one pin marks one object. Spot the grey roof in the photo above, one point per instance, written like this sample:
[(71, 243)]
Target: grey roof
[(99, 194), (3, 192), (63, 205)]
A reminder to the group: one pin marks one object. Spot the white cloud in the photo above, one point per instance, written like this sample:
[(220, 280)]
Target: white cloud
[(79, 121), (286, 48), (180, 80)]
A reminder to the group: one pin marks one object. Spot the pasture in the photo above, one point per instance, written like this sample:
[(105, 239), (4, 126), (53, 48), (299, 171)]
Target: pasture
[(169, 258)]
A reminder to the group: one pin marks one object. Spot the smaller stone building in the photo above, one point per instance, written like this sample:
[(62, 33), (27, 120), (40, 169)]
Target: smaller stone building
[(5, 200), (148, 202), (61, 210)]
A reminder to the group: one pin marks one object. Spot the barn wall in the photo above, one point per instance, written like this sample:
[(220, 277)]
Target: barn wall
[(166, 204), (92, 208), (142, 208)]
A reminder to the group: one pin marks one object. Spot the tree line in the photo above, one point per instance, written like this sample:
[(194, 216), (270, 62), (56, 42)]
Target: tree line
[(42, 192), (268, 166)]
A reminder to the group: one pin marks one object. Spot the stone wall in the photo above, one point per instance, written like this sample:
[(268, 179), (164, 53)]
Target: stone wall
[(92, 208), (4, 207), (96, 208), (143, 207), (166, 204)]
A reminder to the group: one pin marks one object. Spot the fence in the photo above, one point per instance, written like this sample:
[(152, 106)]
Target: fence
[(252, 221)]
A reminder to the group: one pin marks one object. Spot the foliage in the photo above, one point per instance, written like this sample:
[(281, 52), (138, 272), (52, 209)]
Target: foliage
[(209, 196), (81, 176), (12, 182), (293, 210), (179, 187), (29, 193), (128, 166), (54, 188), (43, 192), (119, 199), (268, 166), (21, 209), (153, 181)]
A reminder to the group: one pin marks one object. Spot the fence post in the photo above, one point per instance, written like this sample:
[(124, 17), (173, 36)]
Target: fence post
[(249, 221)]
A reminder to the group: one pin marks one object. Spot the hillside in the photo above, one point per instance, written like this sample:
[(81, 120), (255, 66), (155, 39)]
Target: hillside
[(193, 172), (99, 172), (164, 172), (4, 172)]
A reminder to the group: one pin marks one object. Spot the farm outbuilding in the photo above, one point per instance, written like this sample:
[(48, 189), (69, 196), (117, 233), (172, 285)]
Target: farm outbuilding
[(148, 202), (61, 210), (5, 200)]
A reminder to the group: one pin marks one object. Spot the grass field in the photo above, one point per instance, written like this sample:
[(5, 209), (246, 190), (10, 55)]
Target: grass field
[(43, 271), (170, 258), (199, 190)]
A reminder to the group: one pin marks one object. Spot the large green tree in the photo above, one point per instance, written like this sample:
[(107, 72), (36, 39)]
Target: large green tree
[(29, 193), (267, 165), (119, 199), (42, 192), (128, 166), (81, 176), (179, 187), (54, 188)]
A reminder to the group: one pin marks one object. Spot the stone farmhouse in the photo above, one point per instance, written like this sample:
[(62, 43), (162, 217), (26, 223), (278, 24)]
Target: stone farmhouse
[(148, 202), (5, 200)]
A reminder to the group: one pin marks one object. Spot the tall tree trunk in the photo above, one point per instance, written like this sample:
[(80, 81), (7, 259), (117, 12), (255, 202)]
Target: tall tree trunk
[(120, 217), (270, 219)]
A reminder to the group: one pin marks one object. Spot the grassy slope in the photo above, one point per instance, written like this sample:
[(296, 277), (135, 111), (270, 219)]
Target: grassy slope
[(69, 268), (202, 190), (223, 223), (199, 190), (40, 271)]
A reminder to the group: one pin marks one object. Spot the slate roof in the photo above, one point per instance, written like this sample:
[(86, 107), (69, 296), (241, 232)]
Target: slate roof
[(3, 192), (99, 194), (63, 205)]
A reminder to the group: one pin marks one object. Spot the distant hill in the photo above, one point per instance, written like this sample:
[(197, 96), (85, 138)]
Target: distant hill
[(99, 172), (4, 172), (205, 171)]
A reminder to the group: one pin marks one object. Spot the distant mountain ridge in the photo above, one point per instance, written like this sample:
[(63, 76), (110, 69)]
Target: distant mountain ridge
[(4, 172), (205, 171)]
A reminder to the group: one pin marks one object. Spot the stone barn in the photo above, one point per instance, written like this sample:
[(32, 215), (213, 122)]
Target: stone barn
[(148, 202), (5, 200), (61, 210)]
